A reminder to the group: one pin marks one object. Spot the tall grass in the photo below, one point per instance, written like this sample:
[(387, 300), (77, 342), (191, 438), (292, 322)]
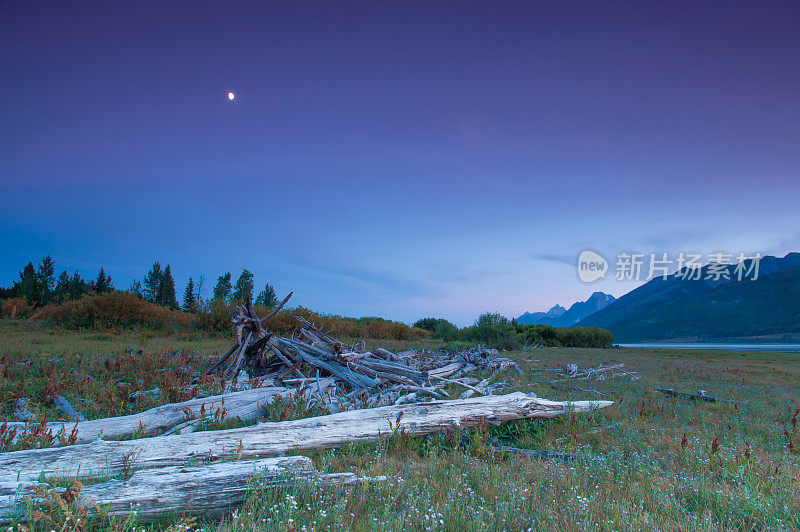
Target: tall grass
[(649, 462)]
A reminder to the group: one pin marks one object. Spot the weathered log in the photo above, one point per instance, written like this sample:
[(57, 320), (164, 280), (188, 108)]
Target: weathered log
[(393, 367), (271, 439), (63, 405), (156, 420), (470, 388), (445, 371), (209, 491), (392, 377), (349, 357), (233, 369), (304, 352), (216, 365), (388, 355), (206, 491)]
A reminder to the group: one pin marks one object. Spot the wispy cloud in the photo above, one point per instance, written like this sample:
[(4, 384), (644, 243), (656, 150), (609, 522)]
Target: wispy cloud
[(468, 276), (569, 260), (385, 280)]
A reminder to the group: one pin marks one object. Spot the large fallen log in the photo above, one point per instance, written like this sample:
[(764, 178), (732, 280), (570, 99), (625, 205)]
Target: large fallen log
[(155, 421), (267, 439), (196, 490)]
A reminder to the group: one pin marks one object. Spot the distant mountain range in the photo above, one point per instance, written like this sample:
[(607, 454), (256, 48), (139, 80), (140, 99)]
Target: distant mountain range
[(558, 316), (684, 309)]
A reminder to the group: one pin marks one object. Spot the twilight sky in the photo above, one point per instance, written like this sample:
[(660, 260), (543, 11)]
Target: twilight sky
[(401, 159)]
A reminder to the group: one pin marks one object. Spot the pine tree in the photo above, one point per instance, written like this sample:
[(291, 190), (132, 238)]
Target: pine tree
[(166, 292), (189, 301), (222, 290), (267, 297), (136, 289), (103, 282), (61, 291), (77, 286), (152, 283), (28, 284), (244, 287), (45, 276)]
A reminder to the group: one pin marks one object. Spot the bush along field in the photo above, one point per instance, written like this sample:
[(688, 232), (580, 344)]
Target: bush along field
[(650, 461)]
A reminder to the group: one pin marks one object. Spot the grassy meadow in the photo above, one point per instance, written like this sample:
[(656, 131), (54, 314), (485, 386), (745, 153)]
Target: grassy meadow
[(648, 462)]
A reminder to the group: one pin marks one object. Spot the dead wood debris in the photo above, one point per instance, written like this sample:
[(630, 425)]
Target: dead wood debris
[(700, 396), (571, 373), (310, 364), (347, 375)]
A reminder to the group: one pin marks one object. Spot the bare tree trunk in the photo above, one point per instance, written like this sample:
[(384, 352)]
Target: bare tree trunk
[(155, 421), (209, 490)]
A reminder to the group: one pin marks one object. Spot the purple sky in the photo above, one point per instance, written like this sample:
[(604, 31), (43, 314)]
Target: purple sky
[(398, 159)]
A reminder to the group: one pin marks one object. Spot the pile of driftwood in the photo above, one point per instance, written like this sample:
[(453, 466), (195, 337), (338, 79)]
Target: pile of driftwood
[(347, 375), (157, 462)]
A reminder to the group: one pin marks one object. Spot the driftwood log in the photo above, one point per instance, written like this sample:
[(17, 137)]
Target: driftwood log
[(155, 421), (62, 404), (208, 491), (267, 439)]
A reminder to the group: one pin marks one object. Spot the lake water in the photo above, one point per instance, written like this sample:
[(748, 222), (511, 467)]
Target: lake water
[(771, 348)]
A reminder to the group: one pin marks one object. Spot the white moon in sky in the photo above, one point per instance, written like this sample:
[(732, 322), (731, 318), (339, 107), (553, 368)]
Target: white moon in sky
[(231, 96)]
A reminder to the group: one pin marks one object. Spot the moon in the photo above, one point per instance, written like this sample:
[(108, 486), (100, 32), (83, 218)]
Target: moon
[(231, 96)]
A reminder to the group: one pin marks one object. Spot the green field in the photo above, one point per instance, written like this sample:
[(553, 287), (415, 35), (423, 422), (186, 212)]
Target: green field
[(648, 462)]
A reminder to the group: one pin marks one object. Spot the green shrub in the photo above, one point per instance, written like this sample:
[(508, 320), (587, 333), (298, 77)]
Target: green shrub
[(494, 330), (440, 327), (546, 335), (114, 310), (16, 308)]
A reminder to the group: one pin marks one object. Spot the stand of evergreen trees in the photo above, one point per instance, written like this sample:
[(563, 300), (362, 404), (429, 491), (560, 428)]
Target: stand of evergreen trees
[(39, 286)]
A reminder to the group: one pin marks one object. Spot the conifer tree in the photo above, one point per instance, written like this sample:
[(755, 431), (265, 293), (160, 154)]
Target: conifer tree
[(103, 282), (77, 286), (61, 291), (45, 276), (152, 283), (222, 290), (244, 287), (189, 301), (28, 284), (166, 292), (267, 297)]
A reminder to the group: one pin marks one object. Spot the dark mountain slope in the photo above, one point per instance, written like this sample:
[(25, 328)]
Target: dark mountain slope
[(676, 308)]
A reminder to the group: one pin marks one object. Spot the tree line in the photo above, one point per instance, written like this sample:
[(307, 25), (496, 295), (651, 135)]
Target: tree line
[(39, 286), (498, 331)]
